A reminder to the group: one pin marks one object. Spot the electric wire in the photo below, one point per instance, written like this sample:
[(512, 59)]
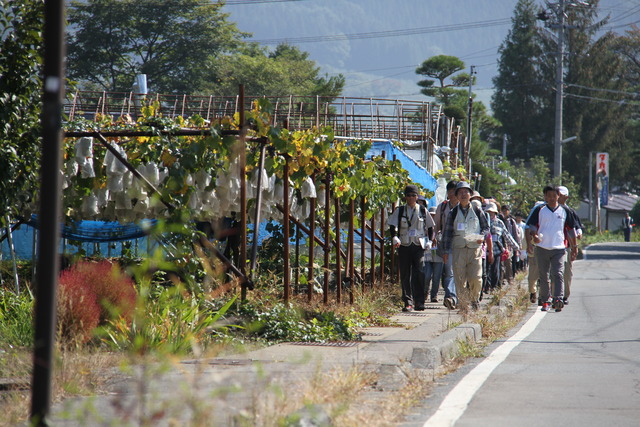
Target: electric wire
[(388, 33), (620, 92)]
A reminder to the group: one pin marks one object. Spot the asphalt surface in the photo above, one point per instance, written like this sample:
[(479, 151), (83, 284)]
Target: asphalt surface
[(232, 385), (577, 367)]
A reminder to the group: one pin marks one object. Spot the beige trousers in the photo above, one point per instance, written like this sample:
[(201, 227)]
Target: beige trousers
[(534, 274), (568, 275), (467, 273)]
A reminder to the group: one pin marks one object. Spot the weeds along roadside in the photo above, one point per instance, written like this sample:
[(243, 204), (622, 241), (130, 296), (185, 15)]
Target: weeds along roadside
[(89, 370), (173, 321)]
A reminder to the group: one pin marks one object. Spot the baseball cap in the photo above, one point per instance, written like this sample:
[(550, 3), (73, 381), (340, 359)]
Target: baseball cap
[(563, 191)]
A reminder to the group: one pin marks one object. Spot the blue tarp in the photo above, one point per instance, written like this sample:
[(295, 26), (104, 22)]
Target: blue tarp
[(101, 231), (105, 241), (416, 172)]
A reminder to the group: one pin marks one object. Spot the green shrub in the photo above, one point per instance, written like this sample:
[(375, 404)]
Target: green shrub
[(168, 320), (16, 318), (285, 323)]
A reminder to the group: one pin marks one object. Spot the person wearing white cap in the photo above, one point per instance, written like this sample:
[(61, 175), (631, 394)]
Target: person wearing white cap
[(549, 225), (568, 264), (534, 273)]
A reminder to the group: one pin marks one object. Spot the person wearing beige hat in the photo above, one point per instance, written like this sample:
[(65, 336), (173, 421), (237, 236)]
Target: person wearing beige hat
[(442, 212), (503, 243), (464, 233), (476, 196)]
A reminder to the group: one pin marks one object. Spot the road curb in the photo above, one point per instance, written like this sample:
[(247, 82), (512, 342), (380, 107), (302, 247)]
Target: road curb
[(445, 347)]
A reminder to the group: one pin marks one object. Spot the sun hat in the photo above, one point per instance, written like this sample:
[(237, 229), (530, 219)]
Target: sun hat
[(476, 195), (411, 189), (463, 184), (491, 207)]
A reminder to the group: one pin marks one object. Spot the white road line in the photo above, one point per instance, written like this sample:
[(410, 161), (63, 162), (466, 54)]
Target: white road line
[(456, 402)]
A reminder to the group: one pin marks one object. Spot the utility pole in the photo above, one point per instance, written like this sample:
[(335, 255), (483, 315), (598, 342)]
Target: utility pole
[(504, 146), (559, 24), (49, 213), (468, 153), (557, 140), (590, 172)]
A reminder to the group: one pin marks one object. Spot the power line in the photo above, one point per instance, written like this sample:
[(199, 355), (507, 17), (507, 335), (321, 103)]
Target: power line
[(619, 92), (161, 3), (239, 2), (594, 98), (389, 33)]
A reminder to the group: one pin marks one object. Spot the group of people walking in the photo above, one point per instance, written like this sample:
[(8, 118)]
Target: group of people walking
[(470, 246)]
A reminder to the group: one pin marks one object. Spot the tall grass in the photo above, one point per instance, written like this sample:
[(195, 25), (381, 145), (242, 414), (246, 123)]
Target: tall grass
[(16, 318), (167, 320)]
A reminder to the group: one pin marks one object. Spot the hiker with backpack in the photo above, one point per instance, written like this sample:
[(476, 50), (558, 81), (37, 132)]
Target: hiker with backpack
[(411, 229), (464, 233), (440, 218)]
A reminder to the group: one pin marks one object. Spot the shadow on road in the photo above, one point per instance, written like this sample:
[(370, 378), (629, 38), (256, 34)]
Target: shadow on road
[(613, 251)]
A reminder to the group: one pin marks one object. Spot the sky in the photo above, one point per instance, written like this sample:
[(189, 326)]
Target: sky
[(378, 44)]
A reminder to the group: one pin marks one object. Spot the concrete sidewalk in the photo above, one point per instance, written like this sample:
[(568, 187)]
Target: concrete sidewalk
[(234, 385)]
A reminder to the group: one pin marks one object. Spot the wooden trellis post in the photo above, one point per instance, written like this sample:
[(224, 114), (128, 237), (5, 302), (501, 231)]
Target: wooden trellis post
[(312, 233), (327, 235), (286, 222), (363, 240), (373, 250), (338, 257), (243, 193), (382, 225), (351, 257)]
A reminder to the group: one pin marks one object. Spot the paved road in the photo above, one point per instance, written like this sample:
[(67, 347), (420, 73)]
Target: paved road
[(579, 367)]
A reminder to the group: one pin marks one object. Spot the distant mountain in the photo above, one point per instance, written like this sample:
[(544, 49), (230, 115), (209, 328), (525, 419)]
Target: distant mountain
[(381, 64)]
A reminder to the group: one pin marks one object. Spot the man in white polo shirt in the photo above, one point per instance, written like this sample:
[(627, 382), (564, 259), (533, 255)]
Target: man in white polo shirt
[(549, 224)]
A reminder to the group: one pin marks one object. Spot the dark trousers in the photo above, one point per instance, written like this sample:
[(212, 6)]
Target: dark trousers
[(411, 264), (493, 273), (485, 278), (627, 234)]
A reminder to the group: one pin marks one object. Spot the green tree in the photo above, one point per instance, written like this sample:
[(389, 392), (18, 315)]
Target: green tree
[(599, 122), (20, 104), (516, 102), (525, 93), (171, 41), (441, 69), (286, 70), (627, 48), (527, 179)]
